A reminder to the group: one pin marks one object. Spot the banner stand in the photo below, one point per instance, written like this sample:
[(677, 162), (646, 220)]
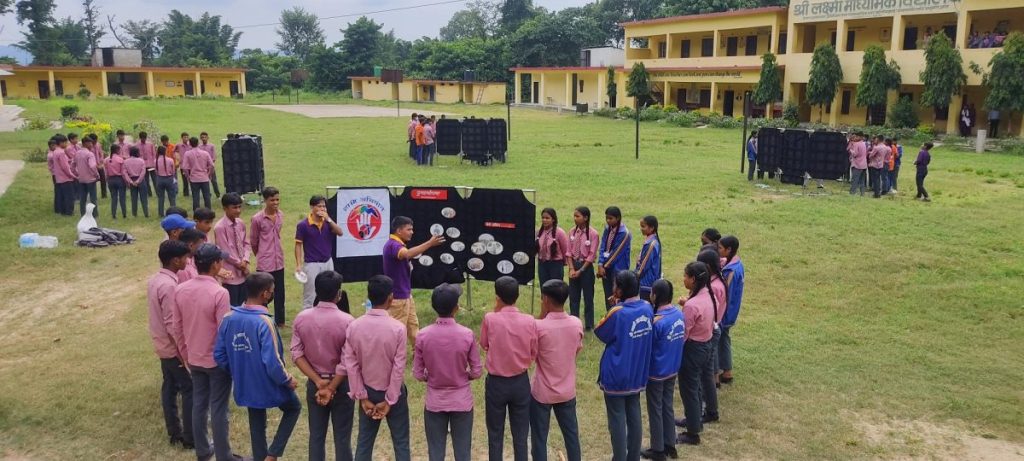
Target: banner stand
[(465, 191)]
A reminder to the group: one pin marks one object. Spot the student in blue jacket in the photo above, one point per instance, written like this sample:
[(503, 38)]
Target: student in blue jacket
[(614, 249), (734, 274), (625, 367), (249, 347), (666, 354), (648, 263)]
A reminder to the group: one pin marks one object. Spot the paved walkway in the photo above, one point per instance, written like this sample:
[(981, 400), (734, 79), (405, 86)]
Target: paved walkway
[(345, 110), (8, 170), (10, 119)]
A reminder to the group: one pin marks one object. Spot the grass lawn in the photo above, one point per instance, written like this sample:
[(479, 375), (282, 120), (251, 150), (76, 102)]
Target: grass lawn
[(870, 329)]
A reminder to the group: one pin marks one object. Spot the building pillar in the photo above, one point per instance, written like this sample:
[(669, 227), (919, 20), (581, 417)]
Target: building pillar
[(714, 93), (833, 115), (774, 38), (568, 90), (199, 85), (953, 119), (897, 33), (715, 41), (962, 29), (103, 83), (668, 46), (517, 89), (602, 88), (241, 83), (668, 95), (540, 98), (150, 87), (53, 85), (840, 36)]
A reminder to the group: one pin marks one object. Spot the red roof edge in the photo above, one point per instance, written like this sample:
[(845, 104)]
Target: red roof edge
[(720, 14)]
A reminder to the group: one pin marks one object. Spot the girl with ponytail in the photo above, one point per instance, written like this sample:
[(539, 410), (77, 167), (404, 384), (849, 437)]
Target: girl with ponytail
[(696, 370), (733, 276), (648, 262), (583, 244), (552, 246)]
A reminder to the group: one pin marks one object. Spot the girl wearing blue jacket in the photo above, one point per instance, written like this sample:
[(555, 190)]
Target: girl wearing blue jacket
[(648, 262), (614, 257), (666, 353), (734, 274), (626, 330)]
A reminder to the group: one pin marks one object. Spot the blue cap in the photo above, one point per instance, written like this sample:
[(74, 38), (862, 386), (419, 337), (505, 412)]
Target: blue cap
[(173, 222)]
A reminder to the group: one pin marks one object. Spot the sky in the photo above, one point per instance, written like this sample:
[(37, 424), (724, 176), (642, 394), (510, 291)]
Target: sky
[(408, 24)]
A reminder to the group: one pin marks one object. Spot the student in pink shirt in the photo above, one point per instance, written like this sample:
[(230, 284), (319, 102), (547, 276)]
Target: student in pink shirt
[(411, 135), (88, 174), (265, 236), (428, 139), (375, 362), (559, 342), (205, 146), (318, 342), (147, 151), (134, 175), (446, 358), (552, 247), (230, 236), (199, 308), (699, 317), (116, 182), (179, 156), (583, 243), (510, 340), (198, 165), (166, 184), (176, 380), (97, 148), (193, 238), (64, 176), (121, 143), (73, 145), (51, 145)]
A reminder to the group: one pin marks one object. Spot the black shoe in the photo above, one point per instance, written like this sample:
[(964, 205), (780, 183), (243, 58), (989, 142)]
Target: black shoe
[(687, 438), (651, 454), (709, 418), (671, 452), (188, 445), (726, 380), (681, 422)]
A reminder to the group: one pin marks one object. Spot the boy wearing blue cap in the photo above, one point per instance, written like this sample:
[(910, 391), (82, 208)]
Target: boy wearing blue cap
[(173, 224)]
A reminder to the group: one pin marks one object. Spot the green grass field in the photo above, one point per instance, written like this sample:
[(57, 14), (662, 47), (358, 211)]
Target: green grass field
[(870, 329)]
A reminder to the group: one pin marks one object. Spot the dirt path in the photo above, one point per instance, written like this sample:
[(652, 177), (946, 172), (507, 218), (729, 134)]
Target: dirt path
[(10, 119), (344, 110), (8, 170)]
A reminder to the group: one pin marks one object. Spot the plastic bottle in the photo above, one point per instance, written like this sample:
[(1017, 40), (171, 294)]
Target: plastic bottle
[(28, 240), (46, 241)]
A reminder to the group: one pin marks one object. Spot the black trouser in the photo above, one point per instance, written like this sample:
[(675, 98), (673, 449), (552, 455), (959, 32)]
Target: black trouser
[(117, 196), (438, 424), (258, 428), (875, 180), (211, 391), (696, 356), (176, 381), (185, 189), (550, 270), (412, 148), (660, 414), (87, 194), (213, 180), (139, 194), (151, 183), (237, 293), (166, 189), (513, 394), (103, 183), (197, 189), (337, 412), (540, 424), (583, 284), (398, 424), (750, 171), (921, 174), (279, 311), (56, 194), (993, 127), (624, 426), (66, 197)]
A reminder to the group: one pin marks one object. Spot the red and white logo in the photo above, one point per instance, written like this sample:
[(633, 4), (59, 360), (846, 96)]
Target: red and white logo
[(364, 222)]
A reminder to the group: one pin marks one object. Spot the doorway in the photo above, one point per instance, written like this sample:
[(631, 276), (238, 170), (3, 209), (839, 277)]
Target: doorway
[(729, 97), (233, 87), (536, 92), (575, 93), (681, 99), (44, 89), (190, 88)]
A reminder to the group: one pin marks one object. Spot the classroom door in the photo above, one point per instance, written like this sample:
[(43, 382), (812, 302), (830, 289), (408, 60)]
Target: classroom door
[(536, 92), (202, 87), (44, 89), (233, 87), (727, 103), (575, 93), (3, 88), (731, 46), (681, 98), (190, 88), (58, 87)]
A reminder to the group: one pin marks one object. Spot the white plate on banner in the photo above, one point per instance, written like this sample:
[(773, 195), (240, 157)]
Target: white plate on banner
[(453, 232), (426, 260), (505, 266), (486, 238), (475, 264), (447, 258), (437, 230), (520, 258), (448, 212), (478, 248), (495, 247), (458, 246)]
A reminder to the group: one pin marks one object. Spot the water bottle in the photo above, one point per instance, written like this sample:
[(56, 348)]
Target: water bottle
[(28, 240), (46, 241), (367, 305)]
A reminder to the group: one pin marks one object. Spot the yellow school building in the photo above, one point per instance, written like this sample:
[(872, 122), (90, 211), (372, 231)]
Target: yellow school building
[(42, 82), (439, 91), (707, 62)]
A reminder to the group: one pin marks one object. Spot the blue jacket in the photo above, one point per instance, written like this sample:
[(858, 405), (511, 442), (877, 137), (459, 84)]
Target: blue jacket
[(626, 332), (733, 273), (249, 347), (667, 350), (648, 264), (616, 250), (751, 150)]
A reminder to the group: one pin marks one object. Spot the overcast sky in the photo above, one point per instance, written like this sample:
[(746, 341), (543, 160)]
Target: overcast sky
[(408, 24)]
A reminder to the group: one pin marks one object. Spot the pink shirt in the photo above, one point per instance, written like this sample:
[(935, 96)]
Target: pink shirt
[(718, 289), (50, 161), (229, 235), (85, 166), (115, 166), (97, 150), (561, 241), (318, 334), (698, 313), (123, 148), (161, 312), (510, 339), (876, 159), (858, 155), (165, 166), (583, 244), (559, 340), (198, 164), (375, 355), (210, 149), (134, 167), (266, 241), (199, 307), (412, 129), (428, 134), (147, 151), (189, 272), (446, 357), (62, 167)]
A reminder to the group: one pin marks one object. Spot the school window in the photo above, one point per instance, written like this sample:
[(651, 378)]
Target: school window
[(844, 108), (751, 49), (685, 49), (731, 46), (581, 86), (833, 39), (782, 43), (705, 98), (662, 49), (851, 37), (707, 47)]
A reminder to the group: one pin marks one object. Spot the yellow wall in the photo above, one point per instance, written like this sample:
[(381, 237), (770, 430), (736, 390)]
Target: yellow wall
[(160, 83), (211, 83), (447, 93), (374, 90), (24, 84), (492, 93)]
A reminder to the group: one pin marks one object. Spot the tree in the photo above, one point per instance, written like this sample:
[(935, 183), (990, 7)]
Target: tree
[(141, 35), (182, 38), (825, 75), (8, 60), (326, 69), (612, 89), (876, 79), (267, 71), (639, 88), (300, 32), (554, 39), (685, 7), (1004, 82), (903, 114), (359, 46), (74, 37), (610, 13), (943, 75), (514, 13), (5, 6), (769, 87), (468, 23), (90, 20)]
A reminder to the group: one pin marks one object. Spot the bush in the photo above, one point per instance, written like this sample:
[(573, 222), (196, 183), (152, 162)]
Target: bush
[(69, 96), (903, 114), (652, 113), (1013, 146), (114, 97), (625, 112), (34, 155), (103, 131), (791, 114), (68, 112), (605, 112), (716, 120), (84, 92), (670, 108), (686, 119), (145, 98), (149, 127), (758, 123), (36, 123)]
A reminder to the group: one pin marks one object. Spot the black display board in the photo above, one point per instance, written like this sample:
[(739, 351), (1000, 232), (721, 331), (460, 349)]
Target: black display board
[(796, 152), (434, 210), (242, 163), (449, 137)]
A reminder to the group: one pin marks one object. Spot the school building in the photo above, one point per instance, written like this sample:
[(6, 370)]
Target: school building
[(707, 62), (440, 91)]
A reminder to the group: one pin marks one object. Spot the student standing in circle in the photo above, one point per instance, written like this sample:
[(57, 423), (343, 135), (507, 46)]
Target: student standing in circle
[(398, 266), (313, 246), (614, 251), (552, 246), (583, 243), (648, 263)]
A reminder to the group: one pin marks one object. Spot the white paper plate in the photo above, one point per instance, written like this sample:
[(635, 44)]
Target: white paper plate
[(478, 248), (301, 277), (447, 258), (495, 247), (426, 260), (458, 246), (475, 264), (486, 238), (448, 212), (453, 232), (520, 258), (505, 266), (437, 229)]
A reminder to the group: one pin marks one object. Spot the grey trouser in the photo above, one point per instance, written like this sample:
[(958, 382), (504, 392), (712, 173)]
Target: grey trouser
[(309, 288)]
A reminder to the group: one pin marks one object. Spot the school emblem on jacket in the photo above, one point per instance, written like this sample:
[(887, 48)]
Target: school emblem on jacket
[(364, 222), (678, 330), (240, 343), (641, 327)]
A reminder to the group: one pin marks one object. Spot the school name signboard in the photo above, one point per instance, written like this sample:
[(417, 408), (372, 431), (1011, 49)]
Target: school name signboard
[(806, 10), (697, 74)]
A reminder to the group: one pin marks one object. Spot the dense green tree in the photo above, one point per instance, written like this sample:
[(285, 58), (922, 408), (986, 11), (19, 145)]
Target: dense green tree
[(90, 21), (8, 60), (554, 39), (686, 7), (74, 37), (1004, 82), (903, 114), (360, 46), (877, 78), (182, 38), (514, 13), (142, 35), (610, 13), (824, 77), (943, 75), (326, 67), (612, 90), (299, 32), (267, 71), (466, 23), (769, 87)]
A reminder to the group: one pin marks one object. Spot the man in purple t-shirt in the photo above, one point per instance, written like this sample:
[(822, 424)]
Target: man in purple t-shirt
[(398, 266), (313, 246)]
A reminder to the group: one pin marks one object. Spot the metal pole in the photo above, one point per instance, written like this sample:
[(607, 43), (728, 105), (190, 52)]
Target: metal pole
[(398, 100), (746, 119), (637, 105), (508, 118)]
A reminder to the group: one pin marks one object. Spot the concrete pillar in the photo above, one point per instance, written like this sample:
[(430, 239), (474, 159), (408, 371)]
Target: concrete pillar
[(774, 38), (840, 36), (103, 83), (833, 115), (716, 41), (714, 92), (668, 47), (540, 98), (241, 83), (897, 33), (668, 95), (568, 90), (602, 88), (953, 119), (199, 85), (517, 89), (962, 29), (150, 87), (53, 85)]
